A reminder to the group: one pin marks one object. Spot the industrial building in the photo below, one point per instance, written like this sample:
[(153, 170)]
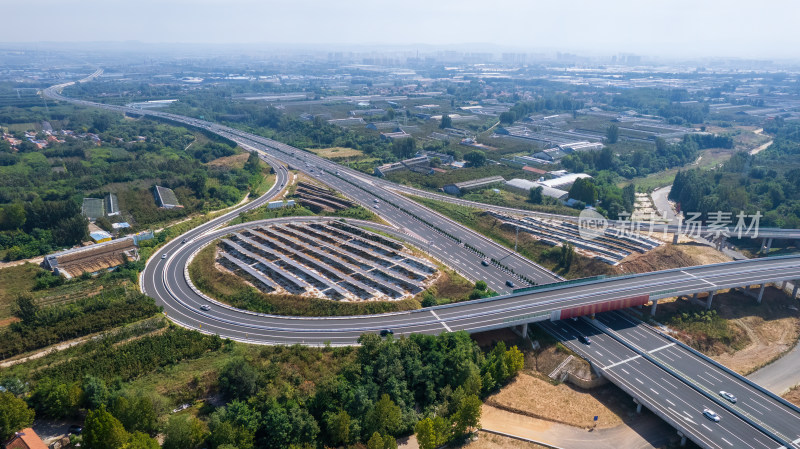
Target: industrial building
[(524, 186), (466, 186), (112, 205), (166, 198), (415, 164), (92, 258)]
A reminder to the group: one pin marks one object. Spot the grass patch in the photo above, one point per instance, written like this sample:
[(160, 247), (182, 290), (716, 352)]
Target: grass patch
[(704, 330), (336, 152)]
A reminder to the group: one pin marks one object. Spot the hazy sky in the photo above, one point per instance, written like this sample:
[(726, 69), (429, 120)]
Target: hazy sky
[(742, 28)]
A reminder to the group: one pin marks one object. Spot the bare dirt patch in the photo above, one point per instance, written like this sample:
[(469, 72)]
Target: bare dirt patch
[(671, 256), (793, 395), (773, 327), (491, 441), (530, 396), (743, 335)]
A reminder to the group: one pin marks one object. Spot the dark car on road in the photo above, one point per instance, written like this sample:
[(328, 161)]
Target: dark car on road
[(510, 284), (584, 339), (386, 332)]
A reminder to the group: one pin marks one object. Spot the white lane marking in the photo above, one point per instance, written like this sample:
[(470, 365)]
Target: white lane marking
[(440, 320), (713, 377), (729, 443), (670, 403), (688, 274), (654, 391), (752, 408), (662, 347), (598, 353), (639, 380), (707, 428), (624, 370), (621, 362)]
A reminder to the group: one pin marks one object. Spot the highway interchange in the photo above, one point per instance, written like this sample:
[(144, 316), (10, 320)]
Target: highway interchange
[(658, 372)]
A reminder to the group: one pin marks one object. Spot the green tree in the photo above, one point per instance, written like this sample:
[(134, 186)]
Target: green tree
[(426, 434), (404, 148), (102, 431), (481, 285), (535, 195), (612, 133), (338, 427), (378, 441), (14, 415), (583, 189), (136, 412), (253, 164), (238, 379), (25, 309), (447, 122), (384, 417), (12, 216), (184, 432), (55, 400), (139, 440), (95, 392), (475, 158), (468, 414)]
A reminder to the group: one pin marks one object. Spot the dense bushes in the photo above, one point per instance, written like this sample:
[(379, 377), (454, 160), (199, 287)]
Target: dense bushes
[(42, 327)]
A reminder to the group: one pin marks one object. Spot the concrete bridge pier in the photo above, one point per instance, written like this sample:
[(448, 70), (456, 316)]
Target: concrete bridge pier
[(521, 330), (794, 290), (653, 307), (682, 437), (675, 238), (766, 245), (709, 299), (638, 405), (761, 292)]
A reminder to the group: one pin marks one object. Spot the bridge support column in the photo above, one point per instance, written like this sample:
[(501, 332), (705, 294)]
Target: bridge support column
[(653, 307), (761, 292), (766, 245), (794, 290), (638, 405), (675, 238), (683, 438), (709, 299), (521, 330)]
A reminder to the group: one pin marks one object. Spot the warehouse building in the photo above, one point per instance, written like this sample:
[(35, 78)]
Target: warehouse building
[(466, 186)]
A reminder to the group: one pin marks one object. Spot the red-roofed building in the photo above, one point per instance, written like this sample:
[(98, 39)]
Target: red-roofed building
[(26, 439), (538, 171)]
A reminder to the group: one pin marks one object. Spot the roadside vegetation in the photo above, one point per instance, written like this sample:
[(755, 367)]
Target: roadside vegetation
[(270, 396), (40, 202), (559, 259)]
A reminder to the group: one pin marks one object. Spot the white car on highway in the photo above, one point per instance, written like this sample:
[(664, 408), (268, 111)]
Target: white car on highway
[(710, 414), (728, 396)]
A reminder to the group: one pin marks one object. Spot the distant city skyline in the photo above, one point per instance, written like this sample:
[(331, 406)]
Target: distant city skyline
[(674, 29)]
